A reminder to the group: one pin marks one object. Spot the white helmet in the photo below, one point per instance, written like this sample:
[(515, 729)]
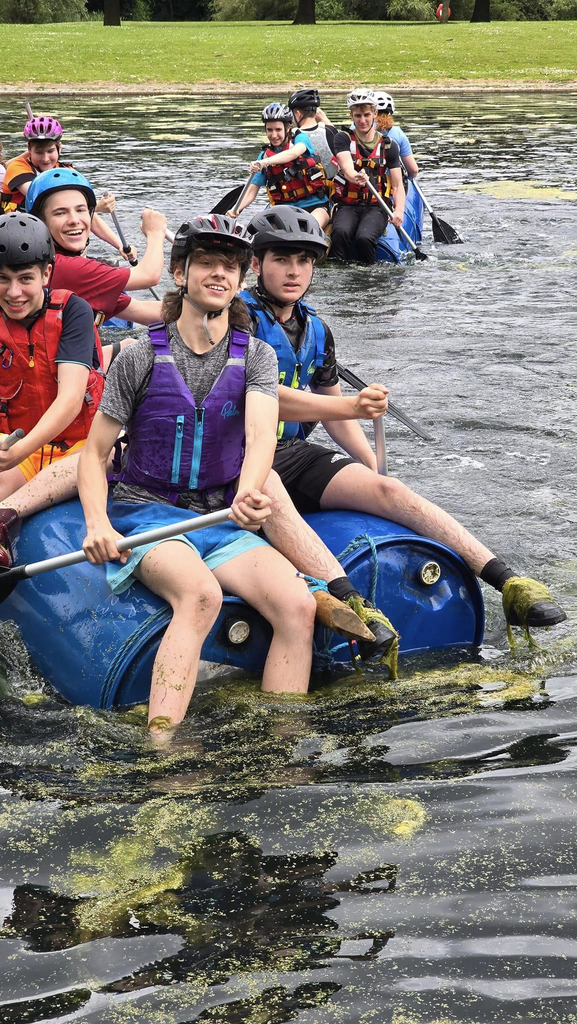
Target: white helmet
[(385, 103), (360, 97)]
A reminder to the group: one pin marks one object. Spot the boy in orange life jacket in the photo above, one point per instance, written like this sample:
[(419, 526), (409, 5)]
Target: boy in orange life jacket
[(364, 154), (289, 168), (50, 377)]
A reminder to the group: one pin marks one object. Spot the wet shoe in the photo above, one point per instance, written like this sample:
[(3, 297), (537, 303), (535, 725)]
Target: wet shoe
[(527, 602), (385, 634), (9, 529)]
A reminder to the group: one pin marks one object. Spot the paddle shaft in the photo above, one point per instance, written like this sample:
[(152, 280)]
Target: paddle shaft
[(245, 189), (380, 446), (11, 439), (125, 246), (448, 233), (28, 109), (127, 543), (390, 214), (356, 382)]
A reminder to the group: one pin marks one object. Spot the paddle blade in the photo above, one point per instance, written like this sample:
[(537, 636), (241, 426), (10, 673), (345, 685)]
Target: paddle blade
[(9, 578), (443, 232), (227, 202), (420, 255)]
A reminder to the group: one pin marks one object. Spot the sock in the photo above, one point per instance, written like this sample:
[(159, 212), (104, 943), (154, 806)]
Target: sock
[(496, 573), (342, 588)]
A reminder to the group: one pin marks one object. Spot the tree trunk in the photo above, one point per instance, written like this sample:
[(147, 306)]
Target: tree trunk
[(112, 12), (445, 12), (306, 14), (481, 11)]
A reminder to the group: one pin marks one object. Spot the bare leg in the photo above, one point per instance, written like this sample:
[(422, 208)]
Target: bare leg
[(52, 485), (176, 573), (108, 352), (287, 531), (268, 582), (322, 215), (10, 481), (357, 487)]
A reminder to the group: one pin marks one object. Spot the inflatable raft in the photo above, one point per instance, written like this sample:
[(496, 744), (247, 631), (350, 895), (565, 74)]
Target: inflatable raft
[(96, 648), (392, 247)]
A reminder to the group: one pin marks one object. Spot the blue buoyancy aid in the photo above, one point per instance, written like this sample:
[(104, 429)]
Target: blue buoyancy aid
[(296, 369), (175, 445)]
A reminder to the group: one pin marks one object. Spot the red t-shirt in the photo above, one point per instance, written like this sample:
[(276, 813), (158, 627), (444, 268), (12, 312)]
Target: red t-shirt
[(102, 286)]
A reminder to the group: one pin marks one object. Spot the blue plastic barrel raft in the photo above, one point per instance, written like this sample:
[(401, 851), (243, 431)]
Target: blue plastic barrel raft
[(97, 648)]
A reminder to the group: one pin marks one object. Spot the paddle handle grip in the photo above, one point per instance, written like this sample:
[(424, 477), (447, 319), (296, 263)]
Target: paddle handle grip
[(11, 439), (136, 541)]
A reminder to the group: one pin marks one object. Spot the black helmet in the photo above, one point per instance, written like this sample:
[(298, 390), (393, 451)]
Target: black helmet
[(212, 232), (286, 227), (24, 240), (277, 112), (303, 98)]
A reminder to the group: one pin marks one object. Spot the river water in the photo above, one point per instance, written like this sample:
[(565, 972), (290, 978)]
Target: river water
[(370, 853)]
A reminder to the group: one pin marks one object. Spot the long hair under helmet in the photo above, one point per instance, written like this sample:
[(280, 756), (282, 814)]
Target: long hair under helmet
[(56, 180), (216, 233), (24, 241)]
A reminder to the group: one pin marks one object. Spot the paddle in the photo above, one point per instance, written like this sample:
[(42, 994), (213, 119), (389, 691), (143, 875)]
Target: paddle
[(356, 382), (10, 577), (28, 109), (381, 446), (442, 232), (400, 231), (11, 439), (232, 199), (126, 248)]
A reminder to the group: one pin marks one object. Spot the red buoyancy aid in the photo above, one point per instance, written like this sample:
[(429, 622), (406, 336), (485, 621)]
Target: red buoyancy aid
[(29, 373), (299, 179), (375, 167)]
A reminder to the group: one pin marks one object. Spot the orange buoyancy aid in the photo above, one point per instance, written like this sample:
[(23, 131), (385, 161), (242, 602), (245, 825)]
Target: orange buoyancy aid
[(375, 166), (29, 373), (300, 179)]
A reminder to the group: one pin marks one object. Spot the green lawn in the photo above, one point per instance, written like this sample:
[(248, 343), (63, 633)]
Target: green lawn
[(275, 52)]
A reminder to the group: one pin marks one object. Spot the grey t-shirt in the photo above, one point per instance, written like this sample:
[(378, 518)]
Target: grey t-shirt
[(127, 384)]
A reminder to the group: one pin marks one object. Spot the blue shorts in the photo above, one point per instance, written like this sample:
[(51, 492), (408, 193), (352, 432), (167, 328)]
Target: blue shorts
[(215, 544)]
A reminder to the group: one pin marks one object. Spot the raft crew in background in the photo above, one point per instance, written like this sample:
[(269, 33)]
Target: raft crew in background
[(385, 124), (363, 153), (164, 387), (43, 137), (286, 244), (50, 363), (65, 201), (289, 168)]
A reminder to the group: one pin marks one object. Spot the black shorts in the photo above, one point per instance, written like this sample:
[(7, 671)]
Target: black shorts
[(306, 469)]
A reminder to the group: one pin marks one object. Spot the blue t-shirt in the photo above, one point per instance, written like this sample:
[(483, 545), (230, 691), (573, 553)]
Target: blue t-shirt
[(259, 178), (398, 136)]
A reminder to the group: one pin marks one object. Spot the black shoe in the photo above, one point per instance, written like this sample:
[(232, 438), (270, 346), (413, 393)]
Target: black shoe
[(540, 615), (527, 602), (379, 625)]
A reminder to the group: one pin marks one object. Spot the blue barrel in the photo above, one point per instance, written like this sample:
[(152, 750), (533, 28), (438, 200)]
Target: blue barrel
[(97, 648), (391, 247)]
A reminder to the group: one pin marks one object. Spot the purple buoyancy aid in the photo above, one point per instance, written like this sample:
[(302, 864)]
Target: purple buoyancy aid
[(175, 445)]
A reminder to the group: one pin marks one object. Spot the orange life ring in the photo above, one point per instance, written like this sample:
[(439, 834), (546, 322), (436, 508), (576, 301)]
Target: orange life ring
[(439, 12)]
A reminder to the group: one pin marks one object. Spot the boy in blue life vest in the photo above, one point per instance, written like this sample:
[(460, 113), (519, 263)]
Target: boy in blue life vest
[(289, 167), (50, 363), (286, 244)]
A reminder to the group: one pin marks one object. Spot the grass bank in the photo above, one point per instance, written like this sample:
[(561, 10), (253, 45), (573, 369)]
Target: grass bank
[(143, 55)]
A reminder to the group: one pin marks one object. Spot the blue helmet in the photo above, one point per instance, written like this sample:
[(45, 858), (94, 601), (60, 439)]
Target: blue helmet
[(56, 180)]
